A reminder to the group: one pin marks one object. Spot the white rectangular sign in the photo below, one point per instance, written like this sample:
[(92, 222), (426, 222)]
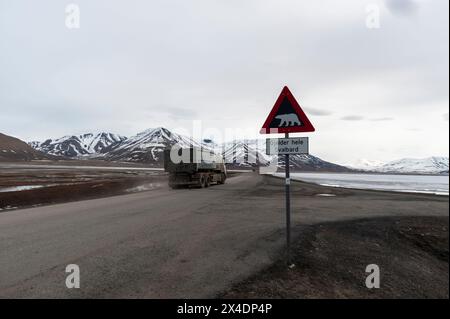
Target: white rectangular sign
[(290, 145)]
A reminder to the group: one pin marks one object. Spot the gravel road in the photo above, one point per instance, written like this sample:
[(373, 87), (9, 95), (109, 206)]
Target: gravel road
[(186, 243)]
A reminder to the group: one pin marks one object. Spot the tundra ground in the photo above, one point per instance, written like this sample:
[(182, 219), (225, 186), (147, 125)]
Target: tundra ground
[(330, 260)]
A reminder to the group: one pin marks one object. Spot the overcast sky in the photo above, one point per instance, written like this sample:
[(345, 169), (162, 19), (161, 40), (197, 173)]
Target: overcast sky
[(376, 93)]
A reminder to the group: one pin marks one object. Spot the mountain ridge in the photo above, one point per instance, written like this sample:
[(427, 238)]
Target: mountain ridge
[(78, 145), (427, 165), (147, 147)]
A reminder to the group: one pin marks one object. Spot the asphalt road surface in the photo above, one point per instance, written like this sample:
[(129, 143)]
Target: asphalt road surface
[(186, 243)]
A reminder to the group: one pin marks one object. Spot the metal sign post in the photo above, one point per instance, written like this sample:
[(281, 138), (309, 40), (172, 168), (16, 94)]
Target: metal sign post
[(288, 207)]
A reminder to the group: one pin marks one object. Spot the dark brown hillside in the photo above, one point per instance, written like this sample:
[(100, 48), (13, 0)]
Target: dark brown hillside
[(12, 149)]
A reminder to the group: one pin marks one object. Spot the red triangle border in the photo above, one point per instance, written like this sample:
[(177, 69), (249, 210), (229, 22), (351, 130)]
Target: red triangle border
[(306, 127)]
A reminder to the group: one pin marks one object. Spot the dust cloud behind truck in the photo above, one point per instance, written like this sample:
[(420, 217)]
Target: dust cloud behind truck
[(194, 166)]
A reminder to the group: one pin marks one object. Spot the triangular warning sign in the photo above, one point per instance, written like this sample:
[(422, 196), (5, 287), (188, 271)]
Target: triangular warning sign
[(286, 116)]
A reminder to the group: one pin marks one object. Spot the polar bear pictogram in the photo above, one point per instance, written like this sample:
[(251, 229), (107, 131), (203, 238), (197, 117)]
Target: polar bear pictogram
[(290, 119)]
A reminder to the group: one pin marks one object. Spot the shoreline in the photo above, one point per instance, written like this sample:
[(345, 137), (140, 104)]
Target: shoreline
[(99, 163), (116, 181), (111, 183), (364, 189)]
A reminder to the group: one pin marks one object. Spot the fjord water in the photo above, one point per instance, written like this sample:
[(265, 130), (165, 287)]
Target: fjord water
[(432, 184)]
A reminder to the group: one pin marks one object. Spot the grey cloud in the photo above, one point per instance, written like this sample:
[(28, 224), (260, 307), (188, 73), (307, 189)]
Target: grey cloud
[(402, 7), (209, 61), (317, 112), (445, 116), (352, 118)]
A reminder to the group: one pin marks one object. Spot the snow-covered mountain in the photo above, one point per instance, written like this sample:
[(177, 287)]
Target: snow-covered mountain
[(78, 145), (251, 153), (147, 146), (244, 153), (310, 163), (429, 165), (365, 164)]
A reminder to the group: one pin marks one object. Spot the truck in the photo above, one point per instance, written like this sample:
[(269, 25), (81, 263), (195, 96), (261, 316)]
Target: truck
[(194, 166)]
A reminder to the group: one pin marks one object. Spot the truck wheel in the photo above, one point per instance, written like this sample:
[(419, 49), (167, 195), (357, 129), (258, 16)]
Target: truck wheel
[(208, 182), (222, 179), (202, 181)]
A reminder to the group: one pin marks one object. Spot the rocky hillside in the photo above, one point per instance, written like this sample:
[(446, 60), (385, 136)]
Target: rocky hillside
[(12, 149)]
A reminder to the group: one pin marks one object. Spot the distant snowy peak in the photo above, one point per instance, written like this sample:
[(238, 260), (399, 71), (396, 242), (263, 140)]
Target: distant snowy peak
[(147, 146), (250, 153), (365, 164), (78, 145), (429, 165), (244, 153)]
